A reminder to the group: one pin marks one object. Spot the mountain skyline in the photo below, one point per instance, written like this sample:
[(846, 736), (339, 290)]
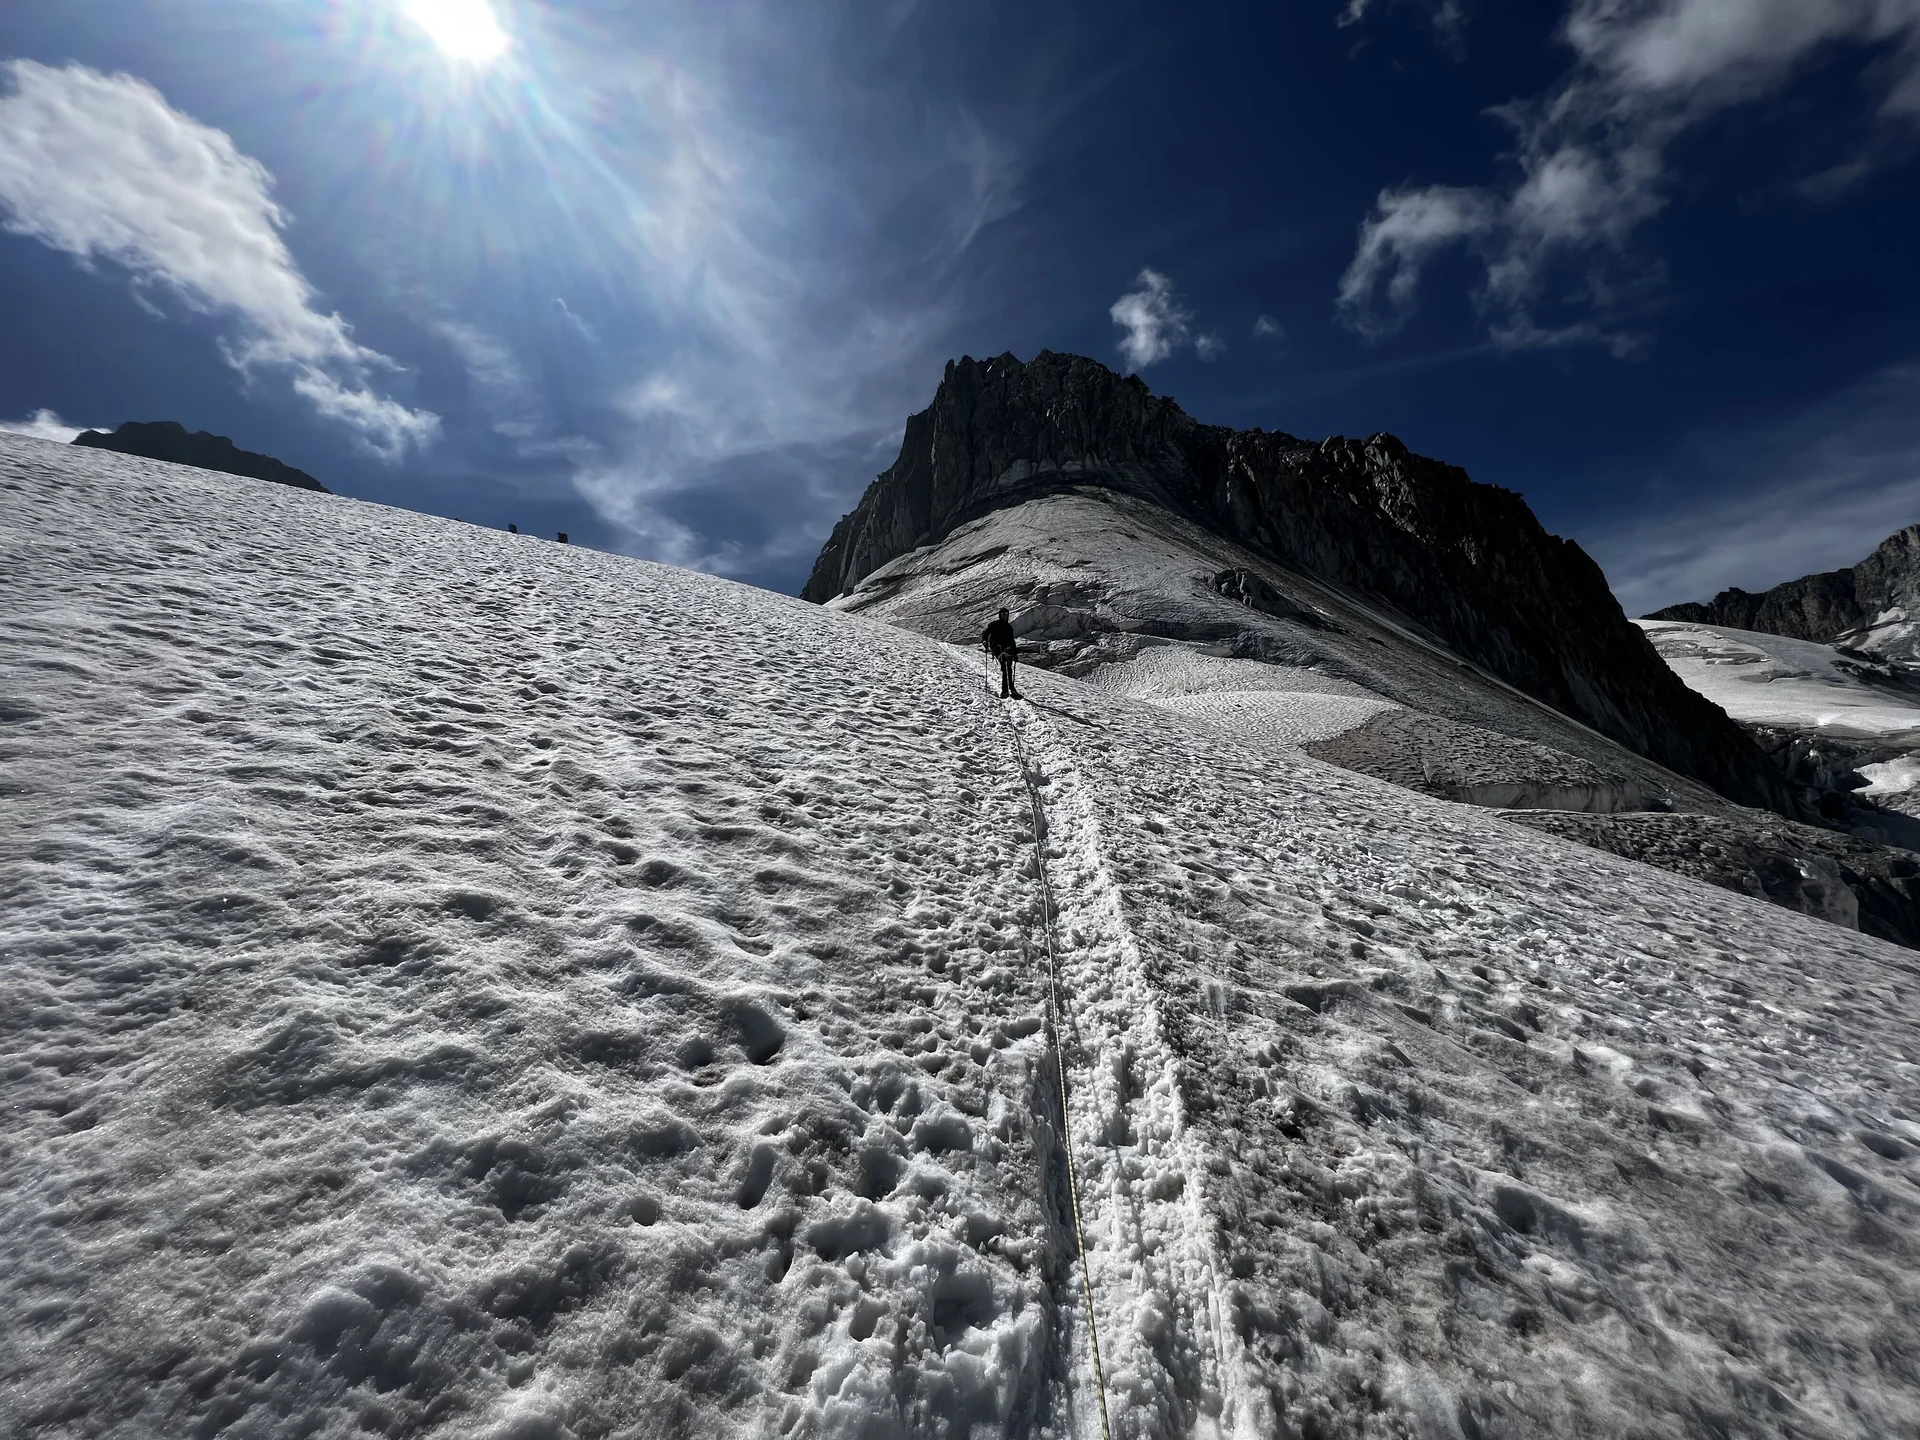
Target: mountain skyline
[(673, 282)]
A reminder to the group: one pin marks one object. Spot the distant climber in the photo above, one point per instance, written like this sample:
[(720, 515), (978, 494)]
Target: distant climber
[(998, 642)]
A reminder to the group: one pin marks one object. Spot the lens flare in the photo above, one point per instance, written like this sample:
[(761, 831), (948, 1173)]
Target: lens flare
[(465, 29)]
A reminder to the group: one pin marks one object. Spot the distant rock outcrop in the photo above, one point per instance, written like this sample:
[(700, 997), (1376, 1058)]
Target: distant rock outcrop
[(170, 440), (1868, 605), (1467, 564)]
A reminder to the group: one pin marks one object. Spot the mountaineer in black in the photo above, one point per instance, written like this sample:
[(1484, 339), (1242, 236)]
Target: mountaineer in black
[(998, 642)]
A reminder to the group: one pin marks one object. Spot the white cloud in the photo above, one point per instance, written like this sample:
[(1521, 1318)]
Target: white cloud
[(499, 382), (585, 331), (1268, 328), (1157, 323), (102, 168), (1406, 228), (43, 425), (1592, 157), (1812, 492)]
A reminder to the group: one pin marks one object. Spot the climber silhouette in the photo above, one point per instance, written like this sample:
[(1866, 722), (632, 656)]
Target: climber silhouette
[(998, 642)]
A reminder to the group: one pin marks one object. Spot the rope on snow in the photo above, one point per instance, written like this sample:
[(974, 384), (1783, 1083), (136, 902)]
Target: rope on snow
[(1027, 773)]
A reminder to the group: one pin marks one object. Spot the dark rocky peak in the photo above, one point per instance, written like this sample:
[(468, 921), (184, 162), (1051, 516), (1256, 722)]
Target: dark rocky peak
[(1830, 607), (170, 440), (1814, 607), (1467, 565), (998, 432)]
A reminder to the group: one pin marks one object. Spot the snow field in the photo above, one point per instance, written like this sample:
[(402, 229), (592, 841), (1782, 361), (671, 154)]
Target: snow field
[(1774, 680), (1288, 703), (1504, 1138), (456, 985)]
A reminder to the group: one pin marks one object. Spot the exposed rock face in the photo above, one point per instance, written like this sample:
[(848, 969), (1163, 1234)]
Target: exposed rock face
[(1814, 607), (170, 440), (1466, 564), (1850, 604)]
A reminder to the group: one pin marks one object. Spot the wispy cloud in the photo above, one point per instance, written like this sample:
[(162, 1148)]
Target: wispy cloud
[(1156, 323), (43, 425), (1268, 328), (1593, 160), (776, 331), (500, 384), (1447, 18), (586, 331), (993, 177), (102, 168), (1813, 492)]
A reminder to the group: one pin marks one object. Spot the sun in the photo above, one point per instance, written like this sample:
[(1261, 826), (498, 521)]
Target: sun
[(464, 29)]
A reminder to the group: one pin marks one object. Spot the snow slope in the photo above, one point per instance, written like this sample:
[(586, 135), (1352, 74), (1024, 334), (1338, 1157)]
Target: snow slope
[(1817, 691), (1123, 593), (451, 984), (1772, 680), (1294, 703)]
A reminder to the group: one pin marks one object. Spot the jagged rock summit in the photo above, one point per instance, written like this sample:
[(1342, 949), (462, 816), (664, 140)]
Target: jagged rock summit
[(170, 440), (1464, 563), (1870, 606)]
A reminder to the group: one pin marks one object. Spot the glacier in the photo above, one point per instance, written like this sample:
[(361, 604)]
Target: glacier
[(454, 984)]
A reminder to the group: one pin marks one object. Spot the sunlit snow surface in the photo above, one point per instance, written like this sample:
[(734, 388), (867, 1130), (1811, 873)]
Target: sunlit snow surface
[(1773, 680), (453, 984), (1247, 697)]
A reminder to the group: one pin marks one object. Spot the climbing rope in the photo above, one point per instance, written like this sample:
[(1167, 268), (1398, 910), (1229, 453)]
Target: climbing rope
[(1060, 1071)]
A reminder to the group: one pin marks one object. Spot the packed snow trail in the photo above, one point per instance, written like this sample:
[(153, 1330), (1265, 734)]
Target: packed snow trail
[(1172, 1369), (454, 985), (1055, 1029)]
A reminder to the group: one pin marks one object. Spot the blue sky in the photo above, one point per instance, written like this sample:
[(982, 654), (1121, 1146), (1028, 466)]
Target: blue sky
[(671, 276)]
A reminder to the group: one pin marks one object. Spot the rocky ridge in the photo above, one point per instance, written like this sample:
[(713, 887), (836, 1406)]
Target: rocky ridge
[(1865, 606), (170, 440), (1467, 564)]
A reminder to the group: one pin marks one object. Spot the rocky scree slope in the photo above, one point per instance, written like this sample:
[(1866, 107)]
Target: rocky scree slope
[(1467, 563), (170, 440), (1867, 605)]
